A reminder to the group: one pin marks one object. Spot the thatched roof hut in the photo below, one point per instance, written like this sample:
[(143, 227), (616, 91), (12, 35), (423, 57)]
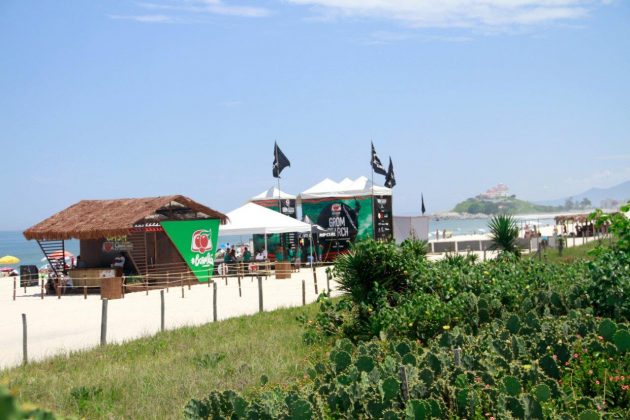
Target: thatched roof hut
[(572, 218), (93, 219)]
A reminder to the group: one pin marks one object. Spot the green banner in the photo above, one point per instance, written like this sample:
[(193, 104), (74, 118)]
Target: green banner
[(196, 241), (348, 219)]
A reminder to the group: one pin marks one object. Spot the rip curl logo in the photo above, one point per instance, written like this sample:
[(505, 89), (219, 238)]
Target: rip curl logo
[(201, 241)]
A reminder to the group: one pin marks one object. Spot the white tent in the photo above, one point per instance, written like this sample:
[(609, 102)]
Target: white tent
[(411, 227), (271, 194), (345, 188), (252, 219)]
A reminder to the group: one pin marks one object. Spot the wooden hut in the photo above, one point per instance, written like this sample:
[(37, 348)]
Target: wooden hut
[(140, 229)]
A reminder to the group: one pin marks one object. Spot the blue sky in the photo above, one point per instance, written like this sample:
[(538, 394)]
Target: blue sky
[(106, 99)]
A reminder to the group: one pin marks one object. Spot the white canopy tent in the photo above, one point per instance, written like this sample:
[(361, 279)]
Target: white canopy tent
[(252, 219), (271, 194), (346, 188)]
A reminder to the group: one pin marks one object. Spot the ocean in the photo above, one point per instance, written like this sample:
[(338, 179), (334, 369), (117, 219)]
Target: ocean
[(14, 243)]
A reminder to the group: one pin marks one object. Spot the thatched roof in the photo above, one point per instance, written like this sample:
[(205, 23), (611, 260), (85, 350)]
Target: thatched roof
[(94, 219)]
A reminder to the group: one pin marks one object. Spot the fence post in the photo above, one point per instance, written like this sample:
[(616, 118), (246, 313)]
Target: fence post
[(181, 282), (303, 292), (260, 294), (104, 323), (85, 291), (146, 286), (124, 280), (315, 280), (328, 276), (214, 301), (168, 280), (24, 341), (14, 286), (239, 287), (404, 385), (58, 288), (457, 356), (25, 283), (162, 310), (42, 288)]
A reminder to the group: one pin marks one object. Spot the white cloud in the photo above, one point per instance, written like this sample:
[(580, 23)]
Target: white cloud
[(215, 7), (457, 13), (145, 18)]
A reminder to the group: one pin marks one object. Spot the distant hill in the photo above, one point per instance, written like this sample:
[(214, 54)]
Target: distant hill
[(512, 205), (619, 192)]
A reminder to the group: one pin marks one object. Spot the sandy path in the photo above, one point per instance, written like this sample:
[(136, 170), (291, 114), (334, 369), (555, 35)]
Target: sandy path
[(57, 326)]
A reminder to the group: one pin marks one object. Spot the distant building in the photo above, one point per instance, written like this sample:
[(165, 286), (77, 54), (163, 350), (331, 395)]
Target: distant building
[(497, 192)]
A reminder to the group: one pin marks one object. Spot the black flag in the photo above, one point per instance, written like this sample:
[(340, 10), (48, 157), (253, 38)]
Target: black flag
[(377, 166), (390, 178), (423, 208), (280, 161)]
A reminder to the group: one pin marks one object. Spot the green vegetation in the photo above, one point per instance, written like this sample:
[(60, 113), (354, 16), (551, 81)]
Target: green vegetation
[(572, 254), (154, 377), (504, 234), (508, 338), (511, 205)]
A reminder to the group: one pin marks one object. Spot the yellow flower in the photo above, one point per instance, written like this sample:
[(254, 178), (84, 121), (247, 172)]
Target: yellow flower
[(527, 367), (446, 327)]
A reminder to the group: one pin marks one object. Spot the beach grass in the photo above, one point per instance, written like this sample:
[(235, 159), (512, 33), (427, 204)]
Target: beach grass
[(568, 254), (155, 377)]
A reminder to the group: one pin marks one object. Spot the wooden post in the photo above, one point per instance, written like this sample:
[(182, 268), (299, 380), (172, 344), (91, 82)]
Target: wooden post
[(167, 280), (240, 294), (404, 385), (24, 284), (303, 292), (104, 323), (260, 295), (162, 310), (24, 341), (457, 356), (328, 276), (146, 286), (124, 280), (315, 280), (181, 282), (58, 288), (14, 286), (85, 291), (214, 301), (42, 288), (484, 254)]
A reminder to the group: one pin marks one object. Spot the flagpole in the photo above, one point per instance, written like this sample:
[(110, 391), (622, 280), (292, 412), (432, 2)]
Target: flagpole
[(279, 200), (373, 221)]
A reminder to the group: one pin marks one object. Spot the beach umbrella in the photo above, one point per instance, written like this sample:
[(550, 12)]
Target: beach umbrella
[(6, 269), (9, 259), (59, 254)]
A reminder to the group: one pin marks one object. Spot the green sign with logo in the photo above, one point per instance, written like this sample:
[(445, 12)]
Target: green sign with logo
[(196, 241)]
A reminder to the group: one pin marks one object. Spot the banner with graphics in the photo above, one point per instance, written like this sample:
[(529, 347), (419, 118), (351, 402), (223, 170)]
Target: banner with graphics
[(196, 241), (348, 219), (383, 218)]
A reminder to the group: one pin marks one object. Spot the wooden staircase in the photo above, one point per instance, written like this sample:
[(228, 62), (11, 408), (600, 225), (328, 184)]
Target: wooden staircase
[(49, 248), (138, 252)]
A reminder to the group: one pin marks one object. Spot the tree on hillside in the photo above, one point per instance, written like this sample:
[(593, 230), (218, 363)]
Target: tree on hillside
[(585, 203)]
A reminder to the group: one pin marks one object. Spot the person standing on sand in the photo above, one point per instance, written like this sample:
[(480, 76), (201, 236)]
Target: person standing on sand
[(437, 234)]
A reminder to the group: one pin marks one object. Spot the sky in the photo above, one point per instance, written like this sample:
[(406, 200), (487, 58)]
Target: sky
[(112, 99)]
